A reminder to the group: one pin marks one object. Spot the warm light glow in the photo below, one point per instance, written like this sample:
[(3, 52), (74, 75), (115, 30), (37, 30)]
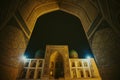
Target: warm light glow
[(88, 57), (23, 58)]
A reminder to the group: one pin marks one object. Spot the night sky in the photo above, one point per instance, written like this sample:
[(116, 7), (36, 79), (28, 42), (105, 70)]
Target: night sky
[(58, 28)]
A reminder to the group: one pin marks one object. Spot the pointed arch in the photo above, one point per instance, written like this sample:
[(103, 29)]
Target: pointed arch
[(33, 9)]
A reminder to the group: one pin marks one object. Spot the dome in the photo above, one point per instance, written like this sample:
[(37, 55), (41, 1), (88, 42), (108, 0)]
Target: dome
[(73, 54), (39, 54)]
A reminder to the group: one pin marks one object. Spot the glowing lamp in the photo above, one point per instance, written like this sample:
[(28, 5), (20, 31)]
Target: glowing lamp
[(88, 57), (23, 58)]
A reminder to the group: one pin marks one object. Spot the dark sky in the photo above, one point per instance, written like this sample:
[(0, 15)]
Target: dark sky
[(58, 28)]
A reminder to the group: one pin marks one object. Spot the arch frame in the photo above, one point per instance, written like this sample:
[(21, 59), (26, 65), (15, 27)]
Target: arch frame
[(32, 10)]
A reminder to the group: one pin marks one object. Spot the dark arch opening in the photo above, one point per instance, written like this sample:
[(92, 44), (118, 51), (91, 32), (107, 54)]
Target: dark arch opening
[(58, 28), (56, 66), (59, 67)]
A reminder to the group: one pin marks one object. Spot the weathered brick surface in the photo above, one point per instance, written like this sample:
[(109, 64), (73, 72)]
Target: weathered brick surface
[(106, 49), (12, 45)]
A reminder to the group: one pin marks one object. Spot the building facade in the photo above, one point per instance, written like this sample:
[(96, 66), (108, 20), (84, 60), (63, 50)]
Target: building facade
[(100, 20), (57, 65)]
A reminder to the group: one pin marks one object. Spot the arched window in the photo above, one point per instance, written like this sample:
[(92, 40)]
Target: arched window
[(31, 73), (85, 64), (23, 73), (79, 64), (40, 63), (73, 64), (33, 63), (81, 72), (38, 74), (26, 64), (87, 73), (74, 73)]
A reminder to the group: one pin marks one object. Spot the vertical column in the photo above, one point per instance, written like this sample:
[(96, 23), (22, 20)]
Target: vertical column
[(45, 75), (65, 55)]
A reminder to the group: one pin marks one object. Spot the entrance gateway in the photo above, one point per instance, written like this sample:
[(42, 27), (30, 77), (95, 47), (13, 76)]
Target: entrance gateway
[(57, 65)]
